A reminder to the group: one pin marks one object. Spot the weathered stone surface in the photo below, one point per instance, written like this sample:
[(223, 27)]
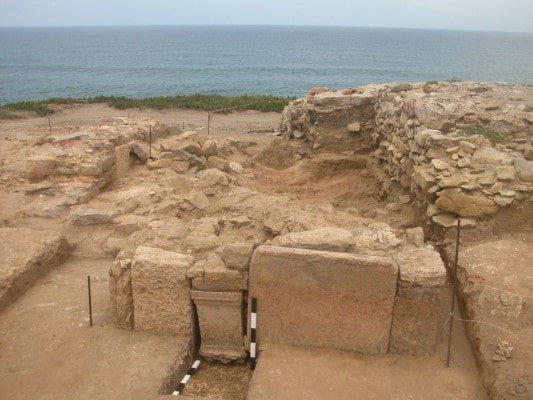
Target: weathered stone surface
[(70, 137), (496, 287), (237, 255), (211, 178), (375, 237), (324, 299), (212, 275), (121, 294), (25, 255), (220, 320), (490, 156), (465, 205), (199, 200), (488, 178), (524, 168), (441, 165), (416, 236), (181, 184), (161, 291), (122, 154), (445, 220), (421, 276), (420, 267), (91, 216), (326, 239), (440, 111), (130, 223), (209, 148), (39, 167), (415, 322), (354, 127), (198, 243), (423, 179), (422, 135), (140, 150)]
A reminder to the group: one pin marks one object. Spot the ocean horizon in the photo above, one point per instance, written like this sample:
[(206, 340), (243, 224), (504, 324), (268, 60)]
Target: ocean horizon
[(38, 63)]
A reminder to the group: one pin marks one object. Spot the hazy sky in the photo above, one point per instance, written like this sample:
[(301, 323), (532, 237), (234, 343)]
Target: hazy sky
[(500, 15)]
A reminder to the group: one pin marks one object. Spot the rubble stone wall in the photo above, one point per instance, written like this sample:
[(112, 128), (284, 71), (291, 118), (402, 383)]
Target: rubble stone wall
[(460, 154)]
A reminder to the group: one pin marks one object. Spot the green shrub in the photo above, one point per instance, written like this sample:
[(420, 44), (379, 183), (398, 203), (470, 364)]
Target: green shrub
[(493, 136)]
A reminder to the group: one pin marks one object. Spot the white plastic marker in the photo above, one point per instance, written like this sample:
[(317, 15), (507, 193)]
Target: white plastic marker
[(253, 327), (186, 378)]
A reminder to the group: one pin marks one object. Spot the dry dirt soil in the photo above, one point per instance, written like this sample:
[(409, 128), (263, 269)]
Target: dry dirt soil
[(48, 351)]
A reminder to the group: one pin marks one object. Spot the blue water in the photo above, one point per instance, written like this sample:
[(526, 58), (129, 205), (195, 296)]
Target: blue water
[(39, 63)]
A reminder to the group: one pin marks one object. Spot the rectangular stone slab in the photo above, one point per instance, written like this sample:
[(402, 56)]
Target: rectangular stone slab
[(161, 300), (323, 299)]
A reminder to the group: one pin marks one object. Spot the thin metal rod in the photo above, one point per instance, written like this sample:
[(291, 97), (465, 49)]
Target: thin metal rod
[(90, 302), (208, 122), (454, 290), (49, 125), (150, 140)]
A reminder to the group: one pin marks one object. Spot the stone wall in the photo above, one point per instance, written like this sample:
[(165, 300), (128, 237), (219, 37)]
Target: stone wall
[(432, 140)]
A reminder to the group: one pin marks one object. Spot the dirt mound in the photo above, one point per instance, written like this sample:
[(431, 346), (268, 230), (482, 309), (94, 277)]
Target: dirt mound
[(279, 154)]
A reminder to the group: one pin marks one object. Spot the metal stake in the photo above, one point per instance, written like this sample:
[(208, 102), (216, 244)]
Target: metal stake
[(150, 140), (90, 302), (49, 125), (454, 291)]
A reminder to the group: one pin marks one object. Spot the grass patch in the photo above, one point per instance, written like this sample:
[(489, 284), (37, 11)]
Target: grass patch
[(481, 89), (217, 103), (199, 102), (432, 82), (39, 108), (454, 79), (5, 114), (493, 136)]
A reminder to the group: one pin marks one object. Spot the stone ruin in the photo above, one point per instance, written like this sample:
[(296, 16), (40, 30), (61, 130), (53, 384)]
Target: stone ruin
[(193, 247)]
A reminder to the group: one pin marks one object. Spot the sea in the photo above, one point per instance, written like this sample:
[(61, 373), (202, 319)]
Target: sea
[(147, 61)]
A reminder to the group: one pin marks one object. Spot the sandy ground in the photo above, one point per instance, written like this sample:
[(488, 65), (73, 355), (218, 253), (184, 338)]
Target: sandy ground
[(47, 350)]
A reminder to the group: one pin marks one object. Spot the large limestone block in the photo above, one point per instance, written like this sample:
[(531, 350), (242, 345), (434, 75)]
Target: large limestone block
[(465, 205), (327, 239), (221, 327), (25, 255), (120, 293), (324, 299), (160, 287), (122, 154), (212, 275), (237, 255), (417, 309)]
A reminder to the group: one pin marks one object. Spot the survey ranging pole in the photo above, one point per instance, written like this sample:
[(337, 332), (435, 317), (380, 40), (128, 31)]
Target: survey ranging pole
[(454, 290), (253, 334), (186, 378)]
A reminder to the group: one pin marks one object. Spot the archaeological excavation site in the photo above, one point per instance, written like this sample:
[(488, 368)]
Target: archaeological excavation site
[(366, 243)]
